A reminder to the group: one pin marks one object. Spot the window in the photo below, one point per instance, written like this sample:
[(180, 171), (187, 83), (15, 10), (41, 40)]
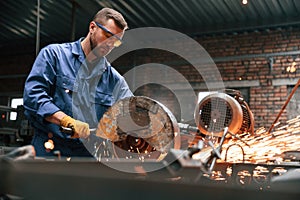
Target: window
[(15, 102), (293, 106)]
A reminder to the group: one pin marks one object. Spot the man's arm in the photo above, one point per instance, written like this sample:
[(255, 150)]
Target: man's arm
[(81, 129), (56, 118), (122, 90), (37, 100)]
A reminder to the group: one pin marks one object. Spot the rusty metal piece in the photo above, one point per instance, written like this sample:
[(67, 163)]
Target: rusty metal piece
[(140, 125)]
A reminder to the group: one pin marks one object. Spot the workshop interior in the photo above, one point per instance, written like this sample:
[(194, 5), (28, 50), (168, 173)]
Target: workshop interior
[(215, 112)]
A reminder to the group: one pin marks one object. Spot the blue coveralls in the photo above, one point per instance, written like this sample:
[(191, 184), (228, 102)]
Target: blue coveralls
[(60, 80)]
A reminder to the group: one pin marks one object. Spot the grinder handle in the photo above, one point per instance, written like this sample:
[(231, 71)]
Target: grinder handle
[(70, 131), (67, 130)]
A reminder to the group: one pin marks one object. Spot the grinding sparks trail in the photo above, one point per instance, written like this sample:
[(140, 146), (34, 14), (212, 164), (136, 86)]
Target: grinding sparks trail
[(264, 147)]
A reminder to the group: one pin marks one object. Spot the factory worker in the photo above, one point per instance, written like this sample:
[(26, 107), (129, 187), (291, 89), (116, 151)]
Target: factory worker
[(72, 85)]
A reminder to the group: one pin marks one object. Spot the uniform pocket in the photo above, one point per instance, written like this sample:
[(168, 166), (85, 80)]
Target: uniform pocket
[(103, 99), (66, 83)]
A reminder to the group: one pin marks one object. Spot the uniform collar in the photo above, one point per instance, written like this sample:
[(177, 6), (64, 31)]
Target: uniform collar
[(77, 49)]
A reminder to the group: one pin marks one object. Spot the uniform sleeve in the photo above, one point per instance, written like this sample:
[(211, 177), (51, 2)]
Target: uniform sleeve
[(39, 85), (121, 90)]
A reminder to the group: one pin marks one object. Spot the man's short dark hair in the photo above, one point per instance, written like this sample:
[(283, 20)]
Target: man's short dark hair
[(108, 13)]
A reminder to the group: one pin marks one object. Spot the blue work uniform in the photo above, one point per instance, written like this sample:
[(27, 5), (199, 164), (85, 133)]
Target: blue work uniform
[(61, 80)]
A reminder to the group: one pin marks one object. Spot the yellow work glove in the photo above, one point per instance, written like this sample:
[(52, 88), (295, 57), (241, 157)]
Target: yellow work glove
[(81, 129)]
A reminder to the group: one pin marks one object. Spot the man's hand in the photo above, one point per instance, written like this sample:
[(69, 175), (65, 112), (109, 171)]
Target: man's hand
[(81, 129)]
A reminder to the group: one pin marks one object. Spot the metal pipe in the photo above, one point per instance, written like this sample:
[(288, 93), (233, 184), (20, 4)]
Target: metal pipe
[(284, 106), (13, 76), (73, 21), (249, 56), (37, 47), (238, 57), (8, 109)]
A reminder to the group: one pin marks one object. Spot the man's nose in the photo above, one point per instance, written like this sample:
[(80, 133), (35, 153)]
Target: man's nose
[(110, 43)]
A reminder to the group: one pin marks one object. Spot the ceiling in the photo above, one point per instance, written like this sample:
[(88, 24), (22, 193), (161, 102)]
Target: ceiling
[(62, 20)]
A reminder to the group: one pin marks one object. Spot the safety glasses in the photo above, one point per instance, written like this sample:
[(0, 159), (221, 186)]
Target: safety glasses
[(118, 40)]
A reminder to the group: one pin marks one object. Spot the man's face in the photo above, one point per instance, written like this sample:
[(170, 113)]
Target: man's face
[(105, 37)]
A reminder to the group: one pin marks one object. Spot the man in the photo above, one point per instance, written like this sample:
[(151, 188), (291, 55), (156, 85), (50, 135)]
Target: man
[(72, 85)]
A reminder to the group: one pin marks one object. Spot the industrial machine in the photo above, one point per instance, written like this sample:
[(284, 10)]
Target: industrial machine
[(219, 109), (15, 132)]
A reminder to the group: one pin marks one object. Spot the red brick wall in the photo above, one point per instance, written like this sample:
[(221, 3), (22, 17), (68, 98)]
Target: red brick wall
[(266, 99)]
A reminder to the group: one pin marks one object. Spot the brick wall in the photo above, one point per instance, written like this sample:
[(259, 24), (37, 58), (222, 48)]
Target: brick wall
[(267, 98)]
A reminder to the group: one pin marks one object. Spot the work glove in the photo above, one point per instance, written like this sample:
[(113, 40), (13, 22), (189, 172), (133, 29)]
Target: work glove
[(81, 129)]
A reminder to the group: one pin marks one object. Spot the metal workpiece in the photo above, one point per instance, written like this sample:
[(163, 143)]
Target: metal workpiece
[(140, 125)]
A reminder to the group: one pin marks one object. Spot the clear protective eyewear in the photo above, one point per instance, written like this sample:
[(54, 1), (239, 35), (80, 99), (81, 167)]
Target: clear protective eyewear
[(118, 40)]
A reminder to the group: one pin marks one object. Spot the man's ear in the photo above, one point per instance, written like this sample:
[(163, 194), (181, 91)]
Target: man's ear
[(92, 27)]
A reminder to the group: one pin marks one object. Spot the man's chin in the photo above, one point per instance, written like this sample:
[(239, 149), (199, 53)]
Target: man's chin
[(101, 53)]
